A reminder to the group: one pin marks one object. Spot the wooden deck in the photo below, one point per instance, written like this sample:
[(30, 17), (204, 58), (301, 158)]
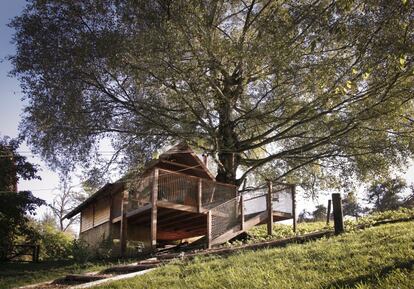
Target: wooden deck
[(175, 206)]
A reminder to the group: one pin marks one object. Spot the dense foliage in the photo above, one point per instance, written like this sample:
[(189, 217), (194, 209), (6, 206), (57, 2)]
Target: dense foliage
[(275, 88), (15, 208), (386, 194), (13, 166), (54, 244)]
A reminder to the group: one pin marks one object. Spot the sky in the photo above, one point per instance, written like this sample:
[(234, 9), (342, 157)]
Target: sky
[(11, 106)]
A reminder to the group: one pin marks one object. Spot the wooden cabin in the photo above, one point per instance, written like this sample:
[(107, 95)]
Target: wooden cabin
[(176, 198)]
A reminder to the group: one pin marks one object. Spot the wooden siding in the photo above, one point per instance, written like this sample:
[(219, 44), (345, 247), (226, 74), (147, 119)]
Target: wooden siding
[(95, 214), (96, 235), (102, 212), (87, 218), (116, 205)]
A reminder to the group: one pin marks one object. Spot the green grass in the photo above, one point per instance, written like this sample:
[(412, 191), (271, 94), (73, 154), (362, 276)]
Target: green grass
[(273, 265), (19, 274), (377, 257), (280, 231)]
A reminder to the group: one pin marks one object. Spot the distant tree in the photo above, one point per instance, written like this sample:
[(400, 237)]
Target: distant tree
[(15, 207), (276, 87), (65, 201), (350, 205), (49, 219), (409, 200), (386, 194), (319, 214)]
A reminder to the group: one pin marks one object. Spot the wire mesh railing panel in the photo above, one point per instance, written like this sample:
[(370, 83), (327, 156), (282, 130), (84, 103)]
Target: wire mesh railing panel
[(225, 216), (214, 193), (255, 200), (140, 193), (177, 188), (282, 198)]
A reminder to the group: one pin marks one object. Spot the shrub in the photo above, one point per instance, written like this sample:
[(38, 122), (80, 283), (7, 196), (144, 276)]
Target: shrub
[(81, 251), (55, 245), (104, 249)]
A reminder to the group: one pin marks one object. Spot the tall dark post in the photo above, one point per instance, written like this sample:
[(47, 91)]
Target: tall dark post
[(294, 207), (124, 224), (337, 213), (242, 211), (328, 213), (209, 224), (269, 209)]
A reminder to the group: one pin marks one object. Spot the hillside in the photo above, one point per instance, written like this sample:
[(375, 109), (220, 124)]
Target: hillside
[(377, 257)]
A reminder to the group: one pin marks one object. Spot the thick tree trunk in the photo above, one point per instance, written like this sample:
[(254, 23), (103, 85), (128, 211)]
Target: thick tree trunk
[(228, 139)]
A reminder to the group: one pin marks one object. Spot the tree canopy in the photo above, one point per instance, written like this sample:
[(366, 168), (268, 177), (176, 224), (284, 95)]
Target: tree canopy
[(283, 88)]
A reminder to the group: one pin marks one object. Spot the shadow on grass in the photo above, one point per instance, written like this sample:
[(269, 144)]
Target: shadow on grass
[(371, 278)]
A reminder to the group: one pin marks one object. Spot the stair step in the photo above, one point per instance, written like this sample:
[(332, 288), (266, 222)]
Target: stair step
[(80, 278), (132, 268)]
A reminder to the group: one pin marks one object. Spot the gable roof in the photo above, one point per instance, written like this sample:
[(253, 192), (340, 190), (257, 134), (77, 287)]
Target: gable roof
[(182, 158), (179, 158)]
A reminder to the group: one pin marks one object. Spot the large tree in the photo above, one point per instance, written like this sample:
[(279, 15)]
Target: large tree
[(15, 207), (288, 87)]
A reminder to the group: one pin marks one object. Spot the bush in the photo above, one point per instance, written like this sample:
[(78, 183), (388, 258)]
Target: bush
[(54, 244), (81, 251), (104, 250)]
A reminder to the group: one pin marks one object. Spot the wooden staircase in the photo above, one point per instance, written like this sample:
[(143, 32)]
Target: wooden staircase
[(259, 218), (229, 219)]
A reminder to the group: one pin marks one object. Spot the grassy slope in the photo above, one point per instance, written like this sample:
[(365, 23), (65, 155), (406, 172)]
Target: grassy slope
[(19, 274), (377, 257)]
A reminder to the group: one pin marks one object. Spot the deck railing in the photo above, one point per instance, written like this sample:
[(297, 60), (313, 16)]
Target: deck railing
[(282, 198), (177, 188), (255, 200), (180, 189), (225, 217)]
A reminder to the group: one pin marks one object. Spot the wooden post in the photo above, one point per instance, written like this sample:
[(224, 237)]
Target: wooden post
[(34, 249), (269, 209), (242, 211), (80, 223), (199, 195), (124, 224), (93, 215), (328, 213), (154, 197), (37, 253), (111, 216), (209, 223), (294, 207), (337, 213)]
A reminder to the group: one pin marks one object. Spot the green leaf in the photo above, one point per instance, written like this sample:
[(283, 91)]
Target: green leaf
[(402, 60)]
